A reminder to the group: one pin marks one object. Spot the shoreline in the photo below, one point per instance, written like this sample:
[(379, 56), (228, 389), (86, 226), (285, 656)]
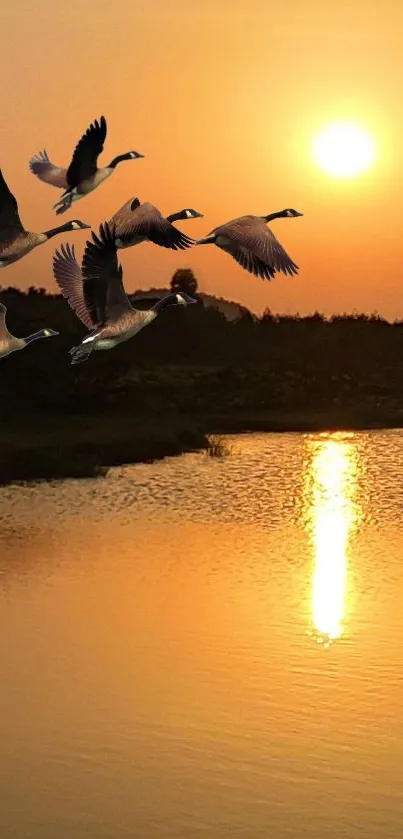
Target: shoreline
[(87, 447), (33, 449)]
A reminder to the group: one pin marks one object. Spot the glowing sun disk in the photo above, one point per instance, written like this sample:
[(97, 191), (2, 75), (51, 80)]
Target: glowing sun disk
[(344, 150)]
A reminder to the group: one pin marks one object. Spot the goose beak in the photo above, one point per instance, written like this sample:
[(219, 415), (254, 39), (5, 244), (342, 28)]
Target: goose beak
[(298, 214)]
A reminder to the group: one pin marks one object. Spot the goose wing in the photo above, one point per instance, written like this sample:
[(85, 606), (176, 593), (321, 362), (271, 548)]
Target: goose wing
[(247, 260), (69, 278), (145, 220), (104, 295), (255, 247), (46, 171), (10, 222), (84, 161)]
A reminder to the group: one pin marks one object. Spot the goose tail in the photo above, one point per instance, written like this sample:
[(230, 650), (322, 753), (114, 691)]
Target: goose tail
[(63, 204)]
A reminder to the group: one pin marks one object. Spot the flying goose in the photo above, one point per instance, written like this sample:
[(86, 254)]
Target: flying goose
[(82, 175), (96, 294), (15, 241), (9, 343), (135, 223), (253, 245)]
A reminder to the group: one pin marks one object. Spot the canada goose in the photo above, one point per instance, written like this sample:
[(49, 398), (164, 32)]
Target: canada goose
[(96, 294), (135, 223), (253, 245), (9, 343), (15, 242), (82, 175)]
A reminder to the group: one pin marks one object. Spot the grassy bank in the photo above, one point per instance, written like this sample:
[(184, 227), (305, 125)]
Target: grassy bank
[(40, 448), (80, 447)]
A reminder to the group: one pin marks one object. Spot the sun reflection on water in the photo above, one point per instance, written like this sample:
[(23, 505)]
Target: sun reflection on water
[(332, 516)]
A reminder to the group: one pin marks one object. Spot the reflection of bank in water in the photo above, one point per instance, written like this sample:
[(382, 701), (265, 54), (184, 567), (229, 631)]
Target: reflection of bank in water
[(332, 515)]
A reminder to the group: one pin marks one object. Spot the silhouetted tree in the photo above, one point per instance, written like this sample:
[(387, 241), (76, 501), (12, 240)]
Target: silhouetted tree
[(184, 280)]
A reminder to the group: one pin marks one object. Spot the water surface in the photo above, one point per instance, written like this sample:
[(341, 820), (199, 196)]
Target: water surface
[(207, 647)]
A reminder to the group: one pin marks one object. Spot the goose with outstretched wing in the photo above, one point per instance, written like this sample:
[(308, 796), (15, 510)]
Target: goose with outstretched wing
[(253, 245), (82, 176), (96, 294)]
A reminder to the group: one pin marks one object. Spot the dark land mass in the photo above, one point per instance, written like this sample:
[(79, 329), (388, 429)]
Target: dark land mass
[(192, 373)]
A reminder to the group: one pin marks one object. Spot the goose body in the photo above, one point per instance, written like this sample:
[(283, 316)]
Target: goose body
[(9, 343), (96, 294), (15, 241), (136, 222), (253, 245), (82, 175)]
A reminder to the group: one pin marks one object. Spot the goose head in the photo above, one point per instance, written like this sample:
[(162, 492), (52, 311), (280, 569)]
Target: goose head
[(183, 299), (183, 214), (189, 213), (179, 298), (35, 336), (129, 155), (290, 213), (287, 213), (76, 224)]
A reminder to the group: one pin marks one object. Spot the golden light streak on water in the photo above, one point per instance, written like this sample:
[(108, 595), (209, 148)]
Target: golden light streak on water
[(333, 514)]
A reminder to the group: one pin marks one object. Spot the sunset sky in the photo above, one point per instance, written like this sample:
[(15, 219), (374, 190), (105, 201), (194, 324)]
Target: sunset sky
[(224, 99)]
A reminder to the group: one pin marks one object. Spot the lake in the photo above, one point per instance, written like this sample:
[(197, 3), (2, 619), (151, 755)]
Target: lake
[(207, 646)]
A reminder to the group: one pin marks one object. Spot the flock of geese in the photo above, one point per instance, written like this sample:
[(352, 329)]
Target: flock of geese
[(94, 290)]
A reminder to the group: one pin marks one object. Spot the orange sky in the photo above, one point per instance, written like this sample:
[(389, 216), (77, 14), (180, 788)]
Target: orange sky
[(223, 98)]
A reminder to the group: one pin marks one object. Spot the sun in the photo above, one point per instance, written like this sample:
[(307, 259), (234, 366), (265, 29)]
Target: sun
[(344, 150)]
